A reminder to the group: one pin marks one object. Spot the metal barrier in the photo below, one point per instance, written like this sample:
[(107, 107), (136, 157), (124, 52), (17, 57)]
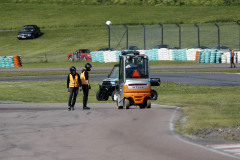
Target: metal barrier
[(176, 36)]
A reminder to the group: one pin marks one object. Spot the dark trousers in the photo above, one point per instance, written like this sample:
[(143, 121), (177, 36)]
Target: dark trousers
[(73, 96), (85, 94), (232, 62)]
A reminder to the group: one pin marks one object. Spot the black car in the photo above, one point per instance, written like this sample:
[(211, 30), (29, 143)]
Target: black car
[(107, 49), (162, 46), (221, 47), (200, 47), (29, 31), (131, 48)]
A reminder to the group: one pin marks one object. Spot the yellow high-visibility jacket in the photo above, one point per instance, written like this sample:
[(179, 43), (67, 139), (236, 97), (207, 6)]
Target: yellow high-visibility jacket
[(83, 79), (73, 82)]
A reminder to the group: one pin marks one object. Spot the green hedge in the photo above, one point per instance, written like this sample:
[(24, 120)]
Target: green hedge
[(134, 2)]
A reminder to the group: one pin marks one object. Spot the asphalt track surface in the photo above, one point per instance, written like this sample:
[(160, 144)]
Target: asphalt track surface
[(197, 78), (48, 131), (208, 79)]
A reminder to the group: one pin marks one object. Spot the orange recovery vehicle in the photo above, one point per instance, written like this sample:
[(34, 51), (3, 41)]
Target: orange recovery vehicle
[(134, 86)]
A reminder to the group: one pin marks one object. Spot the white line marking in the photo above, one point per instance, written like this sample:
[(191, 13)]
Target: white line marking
[(172, 129), (232, 150), (224, 146)]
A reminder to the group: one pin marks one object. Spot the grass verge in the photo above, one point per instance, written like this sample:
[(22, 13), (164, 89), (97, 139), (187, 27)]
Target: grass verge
[(15, 74), (70, 27)]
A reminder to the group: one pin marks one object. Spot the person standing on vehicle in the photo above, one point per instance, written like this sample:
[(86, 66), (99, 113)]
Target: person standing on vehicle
[(232, 58), (73, 84), (85, 84)]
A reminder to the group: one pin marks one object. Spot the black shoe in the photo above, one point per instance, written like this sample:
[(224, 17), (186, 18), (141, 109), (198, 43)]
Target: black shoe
[(69, 108), (86, 108), (73, 108)]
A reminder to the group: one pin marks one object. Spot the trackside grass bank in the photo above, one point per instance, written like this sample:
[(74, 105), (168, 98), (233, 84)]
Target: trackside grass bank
[(67, 27), (204, 106)]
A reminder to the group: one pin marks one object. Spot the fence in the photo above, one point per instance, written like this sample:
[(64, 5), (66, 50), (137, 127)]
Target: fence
[(58, 57), (175, 35)]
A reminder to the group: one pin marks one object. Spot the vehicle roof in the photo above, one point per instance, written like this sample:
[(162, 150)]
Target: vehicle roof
[(130, 55), (30, 26)]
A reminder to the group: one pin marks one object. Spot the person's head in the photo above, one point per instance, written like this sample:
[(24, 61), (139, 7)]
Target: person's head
[(73, 70), (88, 66)]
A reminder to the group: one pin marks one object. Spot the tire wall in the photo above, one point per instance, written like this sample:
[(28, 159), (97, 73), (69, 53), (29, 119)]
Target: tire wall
[(197, 55), (10, 61)]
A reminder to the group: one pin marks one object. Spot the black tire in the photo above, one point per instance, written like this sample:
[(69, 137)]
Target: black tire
[(113, 93), (119, 107), (142, 106), (98, 96), (101, 96), (126, 103), (154, 95), (148, 104)]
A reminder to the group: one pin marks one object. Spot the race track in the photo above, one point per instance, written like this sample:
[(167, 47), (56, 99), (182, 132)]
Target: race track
[(49, 131), (208, 79)]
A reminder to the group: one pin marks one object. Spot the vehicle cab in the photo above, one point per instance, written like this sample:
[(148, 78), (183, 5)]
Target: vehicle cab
[(134, 84)]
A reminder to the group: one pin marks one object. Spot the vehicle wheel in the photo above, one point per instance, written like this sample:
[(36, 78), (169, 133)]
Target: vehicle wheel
[(119, 107), (105, 96), (149, 103), (84, 58), (142, 106), (126, 103), (154, 94), (101, 96), (98, 96), (70, 58), (113, 93)]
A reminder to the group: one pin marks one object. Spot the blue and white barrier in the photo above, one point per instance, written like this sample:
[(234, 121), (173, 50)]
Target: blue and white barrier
[(205, 55)]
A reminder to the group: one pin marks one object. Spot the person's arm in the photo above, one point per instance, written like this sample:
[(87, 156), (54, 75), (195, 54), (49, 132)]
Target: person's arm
[(86, 75), (87, 78), (79, 81), (68, 81)]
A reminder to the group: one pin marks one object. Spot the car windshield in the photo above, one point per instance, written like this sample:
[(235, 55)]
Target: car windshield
[(27, 28), (85, 51), (161, 46), (115, 72), (137, 67)]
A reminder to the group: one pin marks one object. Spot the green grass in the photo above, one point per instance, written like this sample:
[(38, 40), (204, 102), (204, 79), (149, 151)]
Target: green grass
[(70, 27), (66, 64), (41, 91), (65, 16), (205, 106), (51, 73)]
